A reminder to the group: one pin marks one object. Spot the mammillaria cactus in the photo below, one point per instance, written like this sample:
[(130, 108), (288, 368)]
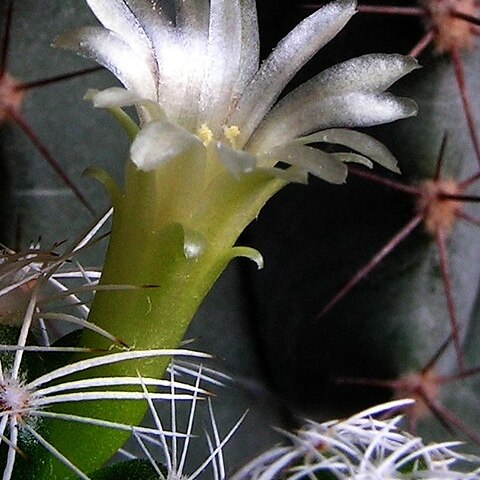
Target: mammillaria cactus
[(211, 144)]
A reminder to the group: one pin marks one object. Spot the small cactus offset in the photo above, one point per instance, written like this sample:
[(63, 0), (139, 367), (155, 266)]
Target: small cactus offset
[(132, 174)]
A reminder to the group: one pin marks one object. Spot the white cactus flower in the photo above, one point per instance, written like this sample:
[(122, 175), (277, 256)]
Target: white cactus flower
[(192, 69), (358, 448)]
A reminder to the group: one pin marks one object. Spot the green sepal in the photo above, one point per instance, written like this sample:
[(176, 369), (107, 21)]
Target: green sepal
[(247, 252), (107, 181), (125, 121)]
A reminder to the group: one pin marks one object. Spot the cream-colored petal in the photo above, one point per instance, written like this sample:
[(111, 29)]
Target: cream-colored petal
[(222, 61), (110, 50), (237, 162), (218, 47), (284, 62), (355, 109), (316, 162), (145, 26), (360, 142), (369, 73), (117, 97), (159, 142), (116, 15), (191, 20), (372, 72), (155, 20), (250, 54)]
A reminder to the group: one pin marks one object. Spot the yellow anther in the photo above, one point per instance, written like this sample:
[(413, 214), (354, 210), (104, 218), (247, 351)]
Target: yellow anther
[(231, 134), (205, 134)]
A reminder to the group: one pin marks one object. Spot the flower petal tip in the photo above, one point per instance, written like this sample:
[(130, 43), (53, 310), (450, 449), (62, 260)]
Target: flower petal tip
[(410, 107), (250, 253), (175, 140)]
